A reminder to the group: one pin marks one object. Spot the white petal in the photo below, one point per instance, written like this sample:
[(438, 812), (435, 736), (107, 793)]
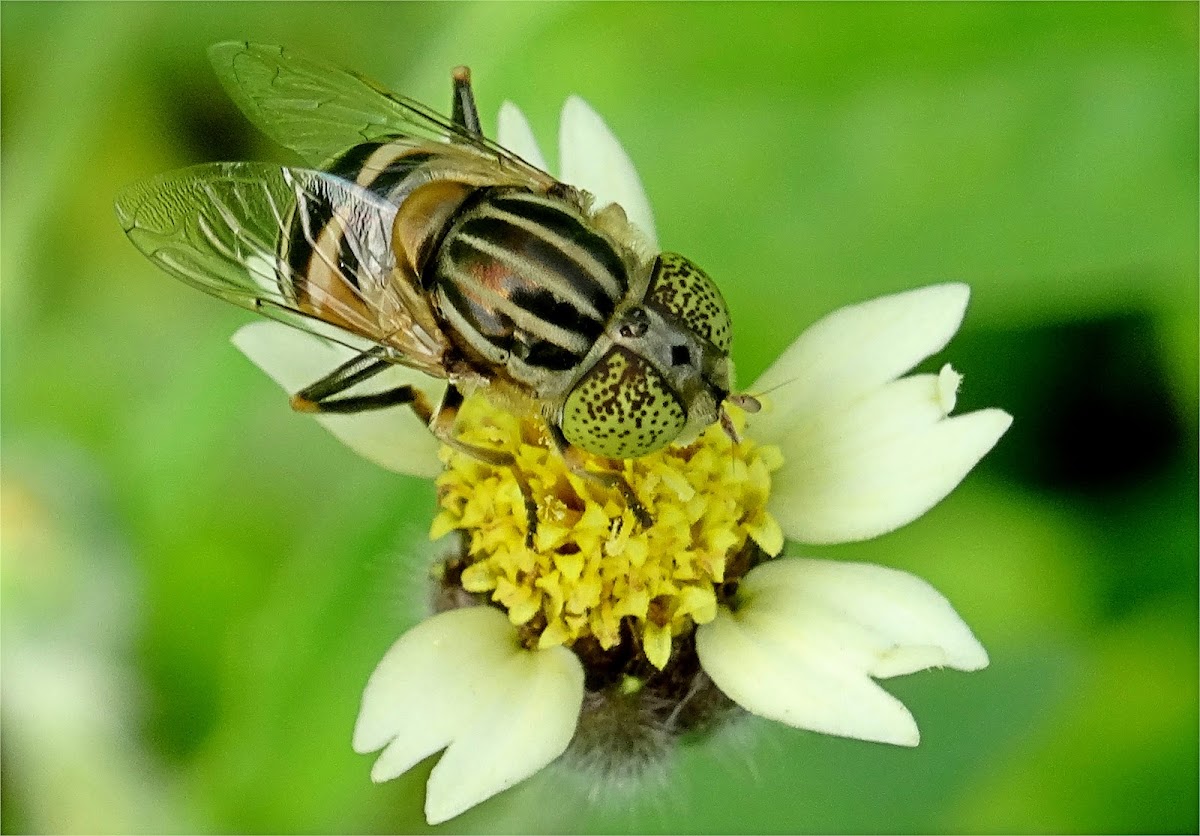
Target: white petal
[(899, 612), (426, 676), (805, 636), (591, 158), (529, 722), (392, 438), (854, 350), (513, 132), (462, 680), (872, 466), (780, 681)]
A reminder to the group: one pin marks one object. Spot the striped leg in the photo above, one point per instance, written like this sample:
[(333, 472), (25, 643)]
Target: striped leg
[(573, 457), (464, 112), (321, 396)]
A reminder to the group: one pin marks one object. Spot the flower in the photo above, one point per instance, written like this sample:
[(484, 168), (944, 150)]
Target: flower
[(608, 640)]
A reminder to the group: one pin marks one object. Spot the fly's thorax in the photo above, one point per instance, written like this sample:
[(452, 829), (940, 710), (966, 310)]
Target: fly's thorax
[(527, 285), (661, 372)]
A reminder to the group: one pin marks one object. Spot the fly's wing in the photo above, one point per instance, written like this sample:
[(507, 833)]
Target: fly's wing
[(319, 111), (234, 231)]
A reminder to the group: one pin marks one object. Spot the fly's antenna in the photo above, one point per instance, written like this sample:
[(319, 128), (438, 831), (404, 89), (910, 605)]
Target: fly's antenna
[(755, 398), (746, 402)]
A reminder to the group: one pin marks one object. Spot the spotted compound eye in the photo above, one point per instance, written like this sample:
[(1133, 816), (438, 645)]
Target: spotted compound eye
[(623, 408), (685, 291)]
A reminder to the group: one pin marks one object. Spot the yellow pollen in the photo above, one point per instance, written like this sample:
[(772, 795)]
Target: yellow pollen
[(592, 565)]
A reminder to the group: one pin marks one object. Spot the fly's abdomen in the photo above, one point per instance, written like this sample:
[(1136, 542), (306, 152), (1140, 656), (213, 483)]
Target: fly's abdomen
[(390, 170), (523, 280), (323, 261)]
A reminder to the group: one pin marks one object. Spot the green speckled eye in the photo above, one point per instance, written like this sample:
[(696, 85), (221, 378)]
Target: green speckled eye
[(684, 290), (623, 408)]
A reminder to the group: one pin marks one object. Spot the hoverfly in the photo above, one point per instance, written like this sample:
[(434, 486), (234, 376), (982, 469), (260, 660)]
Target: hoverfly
[(415, 240)]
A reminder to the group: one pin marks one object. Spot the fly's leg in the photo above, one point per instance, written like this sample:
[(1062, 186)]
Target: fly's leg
[(321, 396), (573, 457), (442, 426), (464, 113)]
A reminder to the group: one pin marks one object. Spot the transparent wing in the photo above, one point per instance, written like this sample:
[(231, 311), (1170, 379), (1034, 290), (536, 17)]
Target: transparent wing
[(226, 228), (319, 111)]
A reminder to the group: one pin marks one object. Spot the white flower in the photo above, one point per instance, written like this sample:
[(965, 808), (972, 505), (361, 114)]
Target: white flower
[(862, 451)]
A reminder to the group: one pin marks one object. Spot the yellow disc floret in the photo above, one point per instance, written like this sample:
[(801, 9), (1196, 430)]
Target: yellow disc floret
[(593, 566)]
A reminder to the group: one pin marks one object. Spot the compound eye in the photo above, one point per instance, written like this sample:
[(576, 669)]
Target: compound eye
[(684, 290), (622, 408)]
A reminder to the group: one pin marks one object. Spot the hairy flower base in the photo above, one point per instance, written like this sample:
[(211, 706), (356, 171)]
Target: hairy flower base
[(596, 580), (630, 725)]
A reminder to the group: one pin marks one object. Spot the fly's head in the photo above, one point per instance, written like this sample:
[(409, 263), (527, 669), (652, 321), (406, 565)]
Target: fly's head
[(667, 372)]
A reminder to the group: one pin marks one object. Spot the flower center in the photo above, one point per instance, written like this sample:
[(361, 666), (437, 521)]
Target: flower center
[(593, 568)]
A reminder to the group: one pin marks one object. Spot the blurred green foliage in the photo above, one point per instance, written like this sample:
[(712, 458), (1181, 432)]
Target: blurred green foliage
[(197, 582)]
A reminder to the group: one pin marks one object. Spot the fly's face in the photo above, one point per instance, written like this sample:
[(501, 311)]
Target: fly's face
[(665, 374)]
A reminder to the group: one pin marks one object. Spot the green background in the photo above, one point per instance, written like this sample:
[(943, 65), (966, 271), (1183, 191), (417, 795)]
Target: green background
[(197, 582)]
